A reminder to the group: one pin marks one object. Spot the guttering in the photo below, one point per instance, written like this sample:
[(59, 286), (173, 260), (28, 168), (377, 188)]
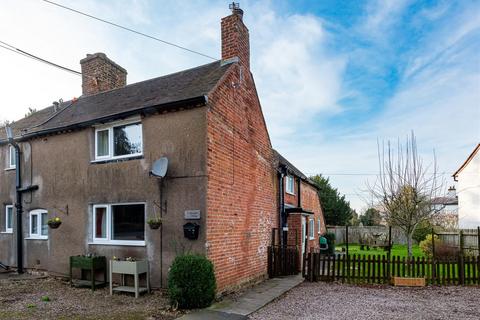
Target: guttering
[(185, 104)]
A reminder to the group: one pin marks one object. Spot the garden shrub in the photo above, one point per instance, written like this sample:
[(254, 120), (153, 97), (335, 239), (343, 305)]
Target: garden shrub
[(330, 236), (426, 245), (443, 251), (191, 282), (423, 229)]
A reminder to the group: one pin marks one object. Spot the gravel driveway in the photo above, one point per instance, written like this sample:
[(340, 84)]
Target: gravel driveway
[(22, 299), (340, 301)]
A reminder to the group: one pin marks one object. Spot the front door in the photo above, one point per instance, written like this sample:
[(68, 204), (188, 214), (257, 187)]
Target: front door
[(304, 234)]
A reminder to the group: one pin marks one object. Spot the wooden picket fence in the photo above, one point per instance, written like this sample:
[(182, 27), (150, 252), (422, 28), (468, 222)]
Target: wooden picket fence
[(283, 261), (380, 269)]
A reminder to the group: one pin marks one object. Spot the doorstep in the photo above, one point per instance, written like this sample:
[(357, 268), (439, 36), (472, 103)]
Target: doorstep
[(252, 300)]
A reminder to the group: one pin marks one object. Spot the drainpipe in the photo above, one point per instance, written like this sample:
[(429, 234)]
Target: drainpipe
[(283, 217), (18, 200), (299, 195)]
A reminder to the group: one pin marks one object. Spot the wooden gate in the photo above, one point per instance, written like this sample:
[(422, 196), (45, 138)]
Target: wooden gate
[(283, 261)]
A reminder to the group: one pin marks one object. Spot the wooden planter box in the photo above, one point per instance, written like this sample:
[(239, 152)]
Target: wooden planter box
[(408, 282), (135, 268), (93, 264)]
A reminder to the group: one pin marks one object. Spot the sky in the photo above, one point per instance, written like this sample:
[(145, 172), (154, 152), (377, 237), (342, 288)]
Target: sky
[(333, 77)]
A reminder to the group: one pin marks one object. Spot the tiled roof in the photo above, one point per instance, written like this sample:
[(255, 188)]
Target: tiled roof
[(282, 161), (158, 92)]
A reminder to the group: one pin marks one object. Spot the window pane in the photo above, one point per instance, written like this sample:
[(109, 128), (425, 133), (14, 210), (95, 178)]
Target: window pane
[(127, 139), (9, 217), (12, 156), (44, 224), (128, 222), (102, 143), (34, 224), (100, 222)]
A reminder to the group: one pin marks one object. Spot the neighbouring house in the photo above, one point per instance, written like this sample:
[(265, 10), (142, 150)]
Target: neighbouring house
[(446, 210), (301, 212), (468, 190), (88, 161)]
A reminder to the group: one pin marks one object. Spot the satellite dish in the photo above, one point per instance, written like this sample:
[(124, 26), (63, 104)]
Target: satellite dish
[(159, 168)]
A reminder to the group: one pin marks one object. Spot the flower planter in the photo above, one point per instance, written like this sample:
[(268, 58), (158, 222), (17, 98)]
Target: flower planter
[(134, 268), (54, 224), (155, 225), (408, 282)]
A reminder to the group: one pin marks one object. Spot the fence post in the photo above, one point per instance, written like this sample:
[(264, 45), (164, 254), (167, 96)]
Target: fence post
[(433, 244), (478, 240), (461, 265), (346, 238)]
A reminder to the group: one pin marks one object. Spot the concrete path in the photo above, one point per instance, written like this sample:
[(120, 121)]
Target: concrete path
[(249, 302)]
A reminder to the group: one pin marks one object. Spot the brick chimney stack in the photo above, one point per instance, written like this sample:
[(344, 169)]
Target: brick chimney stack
[(100, 74), (235, 38)]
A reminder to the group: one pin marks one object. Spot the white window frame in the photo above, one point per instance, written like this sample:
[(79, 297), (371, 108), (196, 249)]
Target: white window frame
[(319, 226), (311, 227), (38, 235), (11, 156), (110, 128), (108, 240), (287, 185), (7, 229)]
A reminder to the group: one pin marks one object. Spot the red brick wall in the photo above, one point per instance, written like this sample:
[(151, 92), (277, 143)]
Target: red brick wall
[(310, 202), (241, 196)]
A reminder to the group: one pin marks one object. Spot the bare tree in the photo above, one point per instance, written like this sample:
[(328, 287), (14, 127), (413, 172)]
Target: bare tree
[(406, 187)]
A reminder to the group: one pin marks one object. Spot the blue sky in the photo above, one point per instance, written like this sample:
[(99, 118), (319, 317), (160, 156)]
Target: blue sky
[(333, 76)]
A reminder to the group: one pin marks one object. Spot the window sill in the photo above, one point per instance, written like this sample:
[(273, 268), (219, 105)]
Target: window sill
[(6, 232), (121, 159), (290, 193), (311, 238), (11, 169), (36, 238), (119, 243)]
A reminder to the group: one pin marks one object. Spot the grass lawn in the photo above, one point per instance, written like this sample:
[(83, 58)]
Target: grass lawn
[(397, 250)]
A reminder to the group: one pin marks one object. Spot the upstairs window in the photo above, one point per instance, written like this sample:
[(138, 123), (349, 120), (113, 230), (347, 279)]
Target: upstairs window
[(119, 224), (38, 224), (11, 158), (289, 185), (311, 226), (118, 141), (9, 218)]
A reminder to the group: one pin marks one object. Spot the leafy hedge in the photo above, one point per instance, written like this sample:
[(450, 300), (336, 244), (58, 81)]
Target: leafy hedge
[(330, 236), (191, 282)]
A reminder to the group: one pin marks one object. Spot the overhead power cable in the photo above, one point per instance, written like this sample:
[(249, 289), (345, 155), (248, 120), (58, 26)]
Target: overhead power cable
[(7, 46), (130, 30)]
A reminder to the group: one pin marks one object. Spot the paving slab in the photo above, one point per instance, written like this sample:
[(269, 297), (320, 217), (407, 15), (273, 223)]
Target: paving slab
[(252, 300)]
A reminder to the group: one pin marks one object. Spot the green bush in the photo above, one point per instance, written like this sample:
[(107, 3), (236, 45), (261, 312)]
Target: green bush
[(331, 242), (426, 245), (423, 229), (191, 282)]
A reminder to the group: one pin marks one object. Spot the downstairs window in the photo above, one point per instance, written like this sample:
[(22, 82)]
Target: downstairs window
[(122, 224)]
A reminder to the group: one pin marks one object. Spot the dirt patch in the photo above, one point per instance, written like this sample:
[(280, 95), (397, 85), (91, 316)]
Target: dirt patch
[(24, 299), (339, 301)]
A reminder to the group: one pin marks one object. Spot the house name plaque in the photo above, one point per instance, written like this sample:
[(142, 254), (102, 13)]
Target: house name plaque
[(192, 214)]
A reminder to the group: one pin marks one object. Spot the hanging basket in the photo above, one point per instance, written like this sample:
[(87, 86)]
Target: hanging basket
[(154, 224), (54, 224)]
